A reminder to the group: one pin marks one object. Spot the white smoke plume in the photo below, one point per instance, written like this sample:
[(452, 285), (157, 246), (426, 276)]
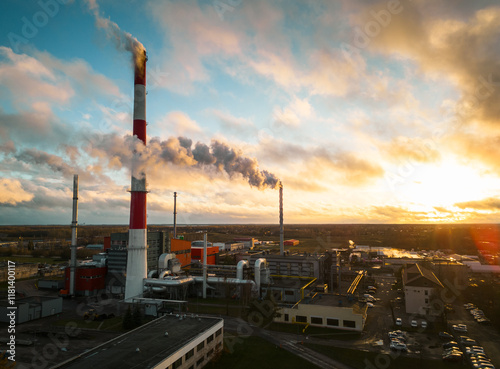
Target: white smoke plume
[(123, 41), (180, 151)]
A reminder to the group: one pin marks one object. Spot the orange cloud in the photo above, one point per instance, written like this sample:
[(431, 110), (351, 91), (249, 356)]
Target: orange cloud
[(12, 193)]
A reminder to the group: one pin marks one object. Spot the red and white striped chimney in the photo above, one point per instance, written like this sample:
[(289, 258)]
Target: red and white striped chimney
[(137, 236)]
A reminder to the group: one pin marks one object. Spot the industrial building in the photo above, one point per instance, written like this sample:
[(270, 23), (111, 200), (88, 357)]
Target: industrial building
[(31, 308), (420, 286), (90, 280), (327, 311), (212, 254), (299, 265), (171, 341), (156, 241)]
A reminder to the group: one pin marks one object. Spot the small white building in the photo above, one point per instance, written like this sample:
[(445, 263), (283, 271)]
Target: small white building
[(327, 311)]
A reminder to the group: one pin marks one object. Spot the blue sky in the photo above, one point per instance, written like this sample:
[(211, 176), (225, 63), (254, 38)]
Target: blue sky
[(368, 111)]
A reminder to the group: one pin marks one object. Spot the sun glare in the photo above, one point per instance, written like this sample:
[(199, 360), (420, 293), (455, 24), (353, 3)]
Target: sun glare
[(445, 185)]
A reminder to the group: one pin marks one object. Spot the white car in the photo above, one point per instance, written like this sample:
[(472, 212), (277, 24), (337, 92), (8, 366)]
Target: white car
[(398, 346), (414, 324), (459, 327), (399, 321), (423, 324), (370, 305)]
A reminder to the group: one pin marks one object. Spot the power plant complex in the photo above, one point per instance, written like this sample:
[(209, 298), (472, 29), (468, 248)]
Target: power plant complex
[(165, 276)]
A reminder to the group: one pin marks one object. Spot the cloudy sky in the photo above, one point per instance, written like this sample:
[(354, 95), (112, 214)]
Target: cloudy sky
[(367, 111)]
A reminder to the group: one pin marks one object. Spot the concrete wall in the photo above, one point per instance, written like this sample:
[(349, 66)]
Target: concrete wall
[(417, 299)]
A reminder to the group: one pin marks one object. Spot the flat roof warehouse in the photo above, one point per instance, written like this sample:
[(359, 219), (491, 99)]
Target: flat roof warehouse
[(164, 341)]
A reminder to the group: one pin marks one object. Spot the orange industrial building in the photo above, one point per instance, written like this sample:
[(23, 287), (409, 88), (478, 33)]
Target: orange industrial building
[(212, 253), (182, 250)]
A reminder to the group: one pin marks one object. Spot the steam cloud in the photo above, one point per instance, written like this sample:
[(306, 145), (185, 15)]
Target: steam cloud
[(181, 152), (218, 155), (123, 41)]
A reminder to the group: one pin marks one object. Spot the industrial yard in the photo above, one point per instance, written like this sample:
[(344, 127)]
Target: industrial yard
[(228, 184)]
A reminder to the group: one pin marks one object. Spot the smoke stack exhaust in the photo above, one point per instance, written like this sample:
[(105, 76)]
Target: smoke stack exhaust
[(137, 237), (282, 245), (175, 214), (74, 224)]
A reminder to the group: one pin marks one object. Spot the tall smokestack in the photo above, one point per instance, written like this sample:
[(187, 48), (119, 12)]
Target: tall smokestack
[(137, 236), (175, 214), (205, 265), (282, 245), (74, 224)]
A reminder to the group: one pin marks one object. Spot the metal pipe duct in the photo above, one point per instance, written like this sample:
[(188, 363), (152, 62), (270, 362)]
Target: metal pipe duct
[(164, 273), (224, 280), (282, 242), (239, 268), (261, 265), (74, 224), (137, 239), (168, 282)]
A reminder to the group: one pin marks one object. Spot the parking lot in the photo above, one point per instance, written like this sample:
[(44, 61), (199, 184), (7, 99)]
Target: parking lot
[(486, 336), (421, 342)]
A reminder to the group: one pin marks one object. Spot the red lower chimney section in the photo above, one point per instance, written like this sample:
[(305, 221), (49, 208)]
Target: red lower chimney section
[(137, 240)]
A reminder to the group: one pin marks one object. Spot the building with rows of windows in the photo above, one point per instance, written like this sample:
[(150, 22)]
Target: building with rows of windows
[(169, 342)]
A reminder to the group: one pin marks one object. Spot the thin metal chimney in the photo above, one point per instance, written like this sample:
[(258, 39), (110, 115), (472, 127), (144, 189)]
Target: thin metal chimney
[(282, 246), (74, 224), (175, 214), (205, 265)]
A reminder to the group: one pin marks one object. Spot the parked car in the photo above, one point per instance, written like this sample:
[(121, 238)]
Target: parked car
[(479, 356), (450, 344), (484, 321), (469, 306), (468, 342), (399, 321), (396, 334), (459, 328), (398, 346), (445, 336), (423, 324), (370, 305), (452, 350), (457, 356), (414, 324)]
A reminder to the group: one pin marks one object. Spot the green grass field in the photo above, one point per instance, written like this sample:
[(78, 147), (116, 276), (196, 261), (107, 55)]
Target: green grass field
[(113, 324), (371, 360), (29, 259), (255, 352)]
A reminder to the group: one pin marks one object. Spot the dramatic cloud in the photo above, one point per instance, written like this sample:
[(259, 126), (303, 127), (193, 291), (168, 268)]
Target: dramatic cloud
[(492, 204), (457, 42), (411, 149), (12, 193)]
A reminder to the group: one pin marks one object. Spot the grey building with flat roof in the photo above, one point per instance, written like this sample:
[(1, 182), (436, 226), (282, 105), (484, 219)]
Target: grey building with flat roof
[(169, 342)]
